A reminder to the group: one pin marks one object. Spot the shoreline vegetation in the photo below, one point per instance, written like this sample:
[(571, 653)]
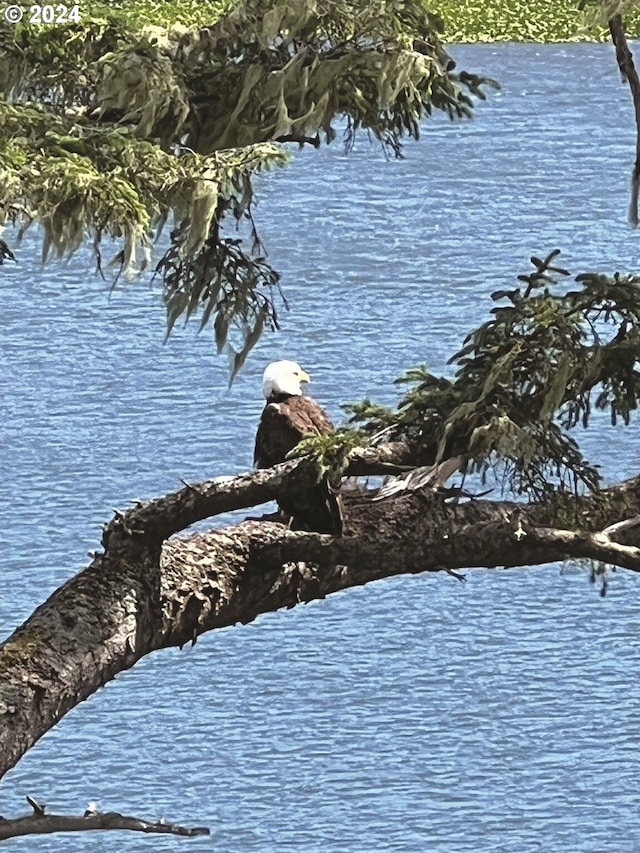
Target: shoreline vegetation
[(468, 21), (465, 21)]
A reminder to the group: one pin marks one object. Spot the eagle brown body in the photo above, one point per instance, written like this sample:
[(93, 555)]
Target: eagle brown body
[(286, 419)]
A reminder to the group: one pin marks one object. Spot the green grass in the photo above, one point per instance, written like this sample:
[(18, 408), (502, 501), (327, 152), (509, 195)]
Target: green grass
[(161, 13), (520, 20), (465, 20)]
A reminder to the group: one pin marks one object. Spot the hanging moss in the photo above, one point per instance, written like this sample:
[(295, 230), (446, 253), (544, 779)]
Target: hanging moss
[(147, 111), (150, 110)]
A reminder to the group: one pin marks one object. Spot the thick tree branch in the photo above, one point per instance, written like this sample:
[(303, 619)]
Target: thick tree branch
[(513, 546), (149, 523), (143, 595)]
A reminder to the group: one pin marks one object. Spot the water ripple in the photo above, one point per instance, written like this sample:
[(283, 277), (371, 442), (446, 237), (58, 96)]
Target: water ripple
[(414, 714)]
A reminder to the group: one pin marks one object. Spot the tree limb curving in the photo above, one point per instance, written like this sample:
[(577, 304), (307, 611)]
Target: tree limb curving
[(144, 593)]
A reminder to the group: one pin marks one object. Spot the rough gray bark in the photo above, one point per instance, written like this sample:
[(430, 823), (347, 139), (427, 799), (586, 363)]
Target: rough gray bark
[(147, 591)]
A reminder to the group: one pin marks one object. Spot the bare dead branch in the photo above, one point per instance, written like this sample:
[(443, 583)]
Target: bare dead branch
[(39, 823), (300, 139), (630, 74)]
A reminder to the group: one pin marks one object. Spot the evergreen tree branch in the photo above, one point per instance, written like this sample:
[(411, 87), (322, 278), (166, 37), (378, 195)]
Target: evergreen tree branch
[(525, 379)]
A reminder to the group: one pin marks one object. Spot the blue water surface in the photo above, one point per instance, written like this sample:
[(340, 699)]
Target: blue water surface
[(414, 714)]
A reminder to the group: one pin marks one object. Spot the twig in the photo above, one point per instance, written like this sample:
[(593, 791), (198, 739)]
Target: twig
[(300, 139)]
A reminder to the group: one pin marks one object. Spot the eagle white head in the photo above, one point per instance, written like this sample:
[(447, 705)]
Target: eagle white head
[(283, 377)]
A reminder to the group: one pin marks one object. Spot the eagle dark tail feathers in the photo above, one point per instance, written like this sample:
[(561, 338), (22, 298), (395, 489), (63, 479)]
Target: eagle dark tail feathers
[(318, 510)]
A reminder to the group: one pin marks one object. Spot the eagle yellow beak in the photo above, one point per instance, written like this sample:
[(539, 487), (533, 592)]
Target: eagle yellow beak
[(303, 376)]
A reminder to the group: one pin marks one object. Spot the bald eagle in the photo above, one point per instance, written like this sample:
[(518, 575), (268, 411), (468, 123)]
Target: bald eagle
[(287, 418)]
